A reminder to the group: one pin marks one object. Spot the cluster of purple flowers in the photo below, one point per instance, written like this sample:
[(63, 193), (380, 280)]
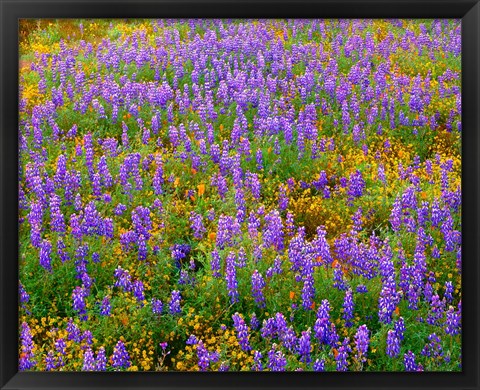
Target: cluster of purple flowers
[(174, 305), (120, 357), (26, 361), (242, 332), (79, 305), (180, 252), (362, 341), (197, 225), (393, 344), (258, 284), (278, 96)]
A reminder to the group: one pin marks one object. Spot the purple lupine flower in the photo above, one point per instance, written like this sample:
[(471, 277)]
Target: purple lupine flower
[(107, 228), (452, 321), (242, 332), (276, 359), (348, 308), (205, 358), (269, 328), (308, 289), (88, 145), (448, 291), (322, 323), (381, 174), (87, 337), (145, 136), (197, 225), (92, 221), (61, 171), (192, 340), (105, 307), (50, 361), (157, 306), (254, 322), (60, 346), (211, 214), (338, 278), (101, 360), (179, 252), (257, 361), (120, 209), (257, 251), (221, 183), (387, 301), (282, 198), (26, 361), (120, 358), (437, 308), (224, 367), (259, 159), (409, 361), (73, 332), (227, 230), (361, 341), (138, 290), (35, 219), (23, 295), (253, 224), (215, 264), (142, 222), (273, 230), (158, 180), (396, 214), (288, 337), (184, 277), (341, 358), (253, 183), (304, 346), (241, 205), (123, 279), (434, 347), (428, 292), (46, 255), (357, 221), (356, 185), (258, 284), (399, 328), (57, 220), (125, 142), (88, 360), (241, 258), (95, 257), (142, 247), (393, 344), (231, 278), (319, 365), (174, 305), (362, 289), (79, 305), (87, 282), (437, 213), (290, 224), (321, 246), (81, 260), (104, 173)]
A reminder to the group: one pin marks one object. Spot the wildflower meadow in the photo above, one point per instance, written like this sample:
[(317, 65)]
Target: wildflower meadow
[(240, 195)]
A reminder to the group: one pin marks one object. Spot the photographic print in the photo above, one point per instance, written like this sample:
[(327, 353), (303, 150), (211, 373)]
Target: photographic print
[(240, 195)]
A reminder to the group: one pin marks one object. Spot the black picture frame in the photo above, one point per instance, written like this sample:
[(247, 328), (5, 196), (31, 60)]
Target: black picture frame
[(11, 11)]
